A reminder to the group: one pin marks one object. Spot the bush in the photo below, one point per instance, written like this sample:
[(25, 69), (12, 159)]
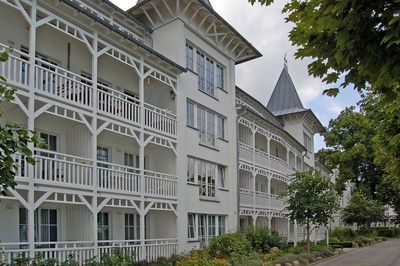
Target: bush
[(261, 238), (359, 242), (349, 233), (345, 244), (386, 232), (234, 245)]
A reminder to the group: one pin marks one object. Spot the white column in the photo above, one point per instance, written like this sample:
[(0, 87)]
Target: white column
[(31, 126), (288, 230), (295, 233), (94, 143)]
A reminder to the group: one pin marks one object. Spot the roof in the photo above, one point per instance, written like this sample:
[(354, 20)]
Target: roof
[(284, 99), (222, 31), (205, 1)]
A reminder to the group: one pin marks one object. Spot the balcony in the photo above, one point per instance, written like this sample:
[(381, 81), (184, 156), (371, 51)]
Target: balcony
[(149, 249), (65, 86), (261, 200), (58, 169)]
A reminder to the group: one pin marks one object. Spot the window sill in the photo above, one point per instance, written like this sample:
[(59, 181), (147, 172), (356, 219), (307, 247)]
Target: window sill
[(223, 90), (191, 240), (191, 71), (209, 199), (193, 184), (192, 127), (208, 146), (212, 96), (224, 140), (223, 189)]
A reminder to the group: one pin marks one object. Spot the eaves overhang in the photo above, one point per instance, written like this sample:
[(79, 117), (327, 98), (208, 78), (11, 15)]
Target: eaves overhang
[(255, 53), (112, 28)]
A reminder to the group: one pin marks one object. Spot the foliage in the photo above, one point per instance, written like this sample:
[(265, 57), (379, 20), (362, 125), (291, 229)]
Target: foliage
[(356, 43), (350, 148), (362, 210), (344, 234), (233, 244), (357, 39), (14, 139), (118, 256), (261, 239), (311, 199)]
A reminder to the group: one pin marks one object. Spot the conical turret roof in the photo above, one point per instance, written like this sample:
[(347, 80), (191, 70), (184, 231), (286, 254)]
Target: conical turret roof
[(284, 99)]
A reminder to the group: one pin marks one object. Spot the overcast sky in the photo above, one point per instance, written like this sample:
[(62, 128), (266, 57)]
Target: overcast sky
[(266, 29)]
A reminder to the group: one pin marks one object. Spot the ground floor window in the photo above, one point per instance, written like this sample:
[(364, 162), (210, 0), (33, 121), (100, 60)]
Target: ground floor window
[(203, 227), (103, 226), (45, 226), (132, 226)]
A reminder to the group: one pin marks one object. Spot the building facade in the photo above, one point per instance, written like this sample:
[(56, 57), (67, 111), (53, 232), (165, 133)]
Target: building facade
[(151, 147)]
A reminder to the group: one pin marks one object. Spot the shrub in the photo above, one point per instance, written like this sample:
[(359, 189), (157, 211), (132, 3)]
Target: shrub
[(349, 233), (308, 256), (386, 232), (345, 244), (260, 238), (234, 244), (359, 242)]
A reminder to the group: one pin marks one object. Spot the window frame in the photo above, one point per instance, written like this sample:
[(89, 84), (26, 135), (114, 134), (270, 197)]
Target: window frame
[(190, 114)]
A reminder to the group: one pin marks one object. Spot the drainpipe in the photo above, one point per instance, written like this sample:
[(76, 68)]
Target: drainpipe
[(238, 107)]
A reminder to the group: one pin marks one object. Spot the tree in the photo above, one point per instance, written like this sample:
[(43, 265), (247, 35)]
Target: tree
[(350, 148), (357, 39), (362, 210), (13, 139), (311, 200), (356, 43)]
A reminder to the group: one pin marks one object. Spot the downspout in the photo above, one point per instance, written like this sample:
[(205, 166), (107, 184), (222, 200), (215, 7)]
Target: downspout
[(238, 107)]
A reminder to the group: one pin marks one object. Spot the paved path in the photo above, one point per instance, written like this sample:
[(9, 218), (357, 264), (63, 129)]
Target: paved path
[(386, 253)]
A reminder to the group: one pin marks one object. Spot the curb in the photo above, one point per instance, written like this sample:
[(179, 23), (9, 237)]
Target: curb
[(343, 253)]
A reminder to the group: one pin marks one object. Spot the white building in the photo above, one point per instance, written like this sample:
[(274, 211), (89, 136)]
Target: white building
[(140, 112)]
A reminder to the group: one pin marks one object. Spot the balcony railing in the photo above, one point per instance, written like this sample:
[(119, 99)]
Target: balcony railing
[(59, 169), (84, 250), (158, 184), (258, 199), (59, 83), (113, 177)]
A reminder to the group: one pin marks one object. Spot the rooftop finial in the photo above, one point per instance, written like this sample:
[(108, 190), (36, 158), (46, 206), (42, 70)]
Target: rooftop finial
[(285, 63)]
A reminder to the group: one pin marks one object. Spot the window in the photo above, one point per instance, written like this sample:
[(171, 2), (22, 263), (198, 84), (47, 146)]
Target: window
[(221, 225), (50, 140), (209, 76), (201, 70), (307, 141), (190, 114), (48, 225), (210, 129), (103, 226), (102, 155), (189, 57), (190, 170), (220, 77), (221, 177), (206, 173), (201, 123), (23, 226), (191, 227), (208, 226), (206, 126), (220, 127), (132, 226)]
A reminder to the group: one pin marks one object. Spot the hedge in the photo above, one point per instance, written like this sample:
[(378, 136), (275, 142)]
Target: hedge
[(345, 244), (386, 232)]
